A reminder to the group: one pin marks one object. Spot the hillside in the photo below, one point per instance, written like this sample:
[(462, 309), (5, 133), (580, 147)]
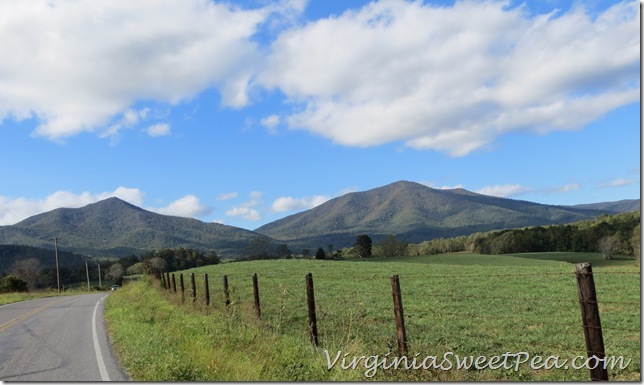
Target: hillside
[(414, 213), (113, 227), (617, 207)]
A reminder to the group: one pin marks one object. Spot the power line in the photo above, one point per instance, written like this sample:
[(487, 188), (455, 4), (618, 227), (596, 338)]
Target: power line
[(9, 213)]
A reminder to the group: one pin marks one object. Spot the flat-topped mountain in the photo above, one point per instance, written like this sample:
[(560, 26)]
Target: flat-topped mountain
[(414, 213), (113, 227)]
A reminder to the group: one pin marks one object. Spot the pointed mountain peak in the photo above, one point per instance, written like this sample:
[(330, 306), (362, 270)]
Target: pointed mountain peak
[(113, 202)]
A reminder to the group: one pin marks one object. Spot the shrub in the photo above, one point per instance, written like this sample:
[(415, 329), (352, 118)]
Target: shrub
[(12, 283)]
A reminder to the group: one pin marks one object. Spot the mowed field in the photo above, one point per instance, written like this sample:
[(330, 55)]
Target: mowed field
[(456, 305)]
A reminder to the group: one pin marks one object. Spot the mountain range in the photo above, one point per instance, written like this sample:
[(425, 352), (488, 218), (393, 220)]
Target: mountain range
[(414, 213), (411, 211)]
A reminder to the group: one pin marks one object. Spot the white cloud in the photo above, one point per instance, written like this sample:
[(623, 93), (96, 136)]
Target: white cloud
[(160, 129), (616, 183), (448, 78), (14, 210), (454, 78), (289, 203), (227, 196), (561, 189), (254, 196), (271, 122), (570, 187), (188, 206), (245, 212), (444, 187), (503, 190), (87, 62)]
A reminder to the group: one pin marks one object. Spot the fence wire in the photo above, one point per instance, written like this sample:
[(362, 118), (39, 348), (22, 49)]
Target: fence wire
[(283, 297)]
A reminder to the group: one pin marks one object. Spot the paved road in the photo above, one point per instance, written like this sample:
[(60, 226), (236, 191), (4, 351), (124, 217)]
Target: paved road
[(56, 339)]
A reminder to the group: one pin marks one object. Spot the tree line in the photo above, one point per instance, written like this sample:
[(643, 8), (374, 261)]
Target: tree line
[(28, 274), (608, 234)]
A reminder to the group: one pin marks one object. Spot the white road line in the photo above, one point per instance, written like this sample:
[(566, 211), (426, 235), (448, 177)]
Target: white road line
[(97, 348)]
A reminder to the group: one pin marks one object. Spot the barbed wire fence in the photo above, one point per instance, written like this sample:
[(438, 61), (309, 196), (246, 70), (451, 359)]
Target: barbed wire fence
[(404, 315)]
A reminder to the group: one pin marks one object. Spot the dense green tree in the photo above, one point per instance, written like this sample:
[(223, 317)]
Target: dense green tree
[(283, 251), (390, 247), (363, 245), (258, 248), (179, 259), (320, 254), (636, 241), (12, 283)]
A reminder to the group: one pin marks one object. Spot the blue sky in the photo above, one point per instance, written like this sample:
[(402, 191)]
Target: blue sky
[(244, 112)]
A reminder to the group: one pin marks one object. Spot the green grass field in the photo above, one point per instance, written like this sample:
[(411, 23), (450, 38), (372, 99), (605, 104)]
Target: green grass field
[(454, 303)]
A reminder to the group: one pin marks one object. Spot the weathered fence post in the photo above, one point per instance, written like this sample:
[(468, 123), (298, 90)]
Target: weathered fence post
[(174, 284), (310, 299), (226, 293), (194, 287), (183, 289), (591, 322), (205, 278), (165, 287), (258, 310), (400, 316), (167, 279)]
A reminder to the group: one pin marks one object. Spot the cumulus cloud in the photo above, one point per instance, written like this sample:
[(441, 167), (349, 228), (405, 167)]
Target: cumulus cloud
[(14, 210), (454, 78), (160, 129), (447, 78), (86, 63), (289, 203), (246, 213), (503, 191), (189, 206), (246, 210), (271, 122)]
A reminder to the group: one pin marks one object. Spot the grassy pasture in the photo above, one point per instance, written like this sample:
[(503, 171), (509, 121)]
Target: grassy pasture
[(461, 303)]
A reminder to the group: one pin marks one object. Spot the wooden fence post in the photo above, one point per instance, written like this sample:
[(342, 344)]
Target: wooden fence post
[(174, 284), (258, 310), (194, 287), (591, 322), (400, 316), (205, 278), (165, 287), (310, 299), (167, 279), (226, 293), (183, 289)]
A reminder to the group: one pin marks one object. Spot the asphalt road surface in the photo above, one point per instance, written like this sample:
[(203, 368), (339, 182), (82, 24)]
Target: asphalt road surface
[(56, 339)]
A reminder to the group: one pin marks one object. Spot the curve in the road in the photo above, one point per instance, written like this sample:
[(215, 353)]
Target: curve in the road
[(57, 339)]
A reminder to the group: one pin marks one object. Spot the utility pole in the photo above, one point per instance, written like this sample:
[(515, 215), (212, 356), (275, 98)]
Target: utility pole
[(99, 275), (57, 269), (87, 273)]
